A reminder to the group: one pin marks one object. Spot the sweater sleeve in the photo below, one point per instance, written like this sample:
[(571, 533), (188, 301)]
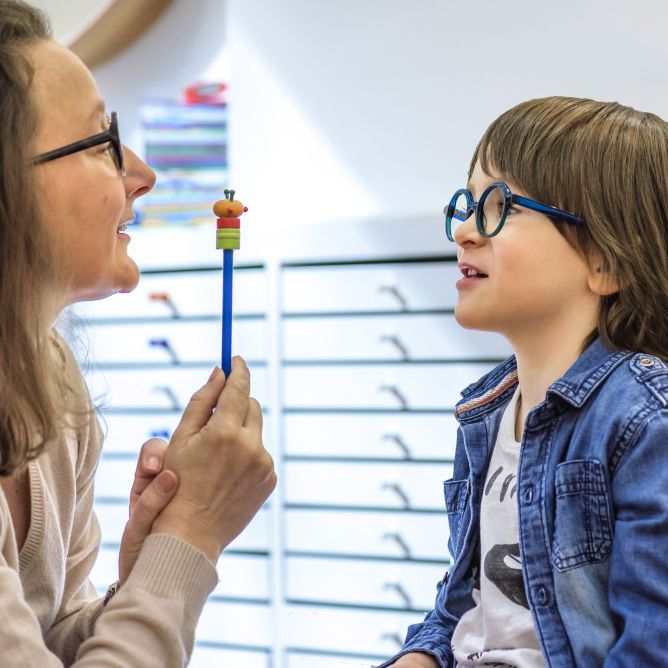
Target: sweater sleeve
[(151, 620), (149, 623)]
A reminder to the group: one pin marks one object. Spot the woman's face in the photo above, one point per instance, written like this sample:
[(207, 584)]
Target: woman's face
[(82, 197)]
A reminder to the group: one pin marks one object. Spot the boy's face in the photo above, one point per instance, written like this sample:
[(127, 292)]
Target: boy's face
[(531, 280)]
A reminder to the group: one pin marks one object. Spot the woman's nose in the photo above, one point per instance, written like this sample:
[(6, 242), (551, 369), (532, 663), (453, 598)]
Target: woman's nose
[(139, 177)]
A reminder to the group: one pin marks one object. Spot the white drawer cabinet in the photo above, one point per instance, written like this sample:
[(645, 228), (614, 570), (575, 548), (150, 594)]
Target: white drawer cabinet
[(347, 630), (358, 362), (366, 533), (184, 294), (402, 337), (434, 387), (370, 583), (329, 660), (241, 576), (395, 485), (113, 514), (392, 286), (135, 389), (175, 342), (208, 655), (237, 624), (397, 435)]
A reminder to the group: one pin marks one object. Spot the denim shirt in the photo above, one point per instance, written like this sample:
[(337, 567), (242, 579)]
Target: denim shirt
[(593, 512)]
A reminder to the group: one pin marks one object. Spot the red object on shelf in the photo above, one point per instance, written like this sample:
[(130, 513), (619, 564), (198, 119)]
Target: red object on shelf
[(205, 93)]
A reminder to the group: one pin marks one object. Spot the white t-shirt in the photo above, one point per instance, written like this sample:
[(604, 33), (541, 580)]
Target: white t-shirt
[(499, 630)]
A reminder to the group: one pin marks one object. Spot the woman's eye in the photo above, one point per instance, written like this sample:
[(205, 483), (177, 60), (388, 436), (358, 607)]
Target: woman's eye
[(512, 209)]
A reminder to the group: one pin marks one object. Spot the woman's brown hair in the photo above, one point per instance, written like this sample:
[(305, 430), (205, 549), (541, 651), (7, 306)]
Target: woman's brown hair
[(32, 396), (608, 164)]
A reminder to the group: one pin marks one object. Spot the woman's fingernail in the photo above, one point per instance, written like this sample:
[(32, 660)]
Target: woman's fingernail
[(165, 484), (153, 463), (214, 373)]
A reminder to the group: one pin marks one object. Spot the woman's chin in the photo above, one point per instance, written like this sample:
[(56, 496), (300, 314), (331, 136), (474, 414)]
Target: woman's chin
[(130, 278)]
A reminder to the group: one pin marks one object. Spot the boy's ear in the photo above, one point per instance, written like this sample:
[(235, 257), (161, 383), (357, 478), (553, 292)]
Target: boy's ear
[(601, 282)]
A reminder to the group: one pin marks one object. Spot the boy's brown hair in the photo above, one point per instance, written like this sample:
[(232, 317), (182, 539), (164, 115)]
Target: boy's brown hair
[(608, 164)]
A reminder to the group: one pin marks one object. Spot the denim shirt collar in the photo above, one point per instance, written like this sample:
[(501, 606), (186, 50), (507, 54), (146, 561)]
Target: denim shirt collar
[(574, 387)]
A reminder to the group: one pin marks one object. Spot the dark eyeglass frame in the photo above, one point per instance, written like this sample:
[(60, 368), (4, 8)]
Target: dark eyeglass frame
[(509, 199), (110, 135)]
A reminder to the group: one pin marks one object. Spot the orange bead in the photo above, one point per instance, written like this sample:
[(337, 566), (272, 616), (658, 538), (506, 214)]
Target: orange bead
[(225, 208)]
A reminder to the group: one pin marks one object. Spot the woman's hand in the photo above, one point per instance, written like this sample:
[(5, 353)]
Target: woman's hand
[(225, 474), (151, 491)]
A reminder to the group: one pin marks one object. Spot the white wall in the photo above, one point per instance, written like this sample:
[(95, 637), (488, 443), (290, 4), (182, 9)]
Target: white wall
[(349, 108)]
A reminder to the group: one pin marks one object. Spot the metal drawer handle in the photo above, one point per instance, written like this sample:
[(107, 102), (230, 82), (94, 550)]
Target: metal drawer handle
[(394, 391), (399, 540), (166, 300), (401, 444), (397, 489), (398, 587), (397, 343), (170, 394), (167, 346), (394, 291), (394, 637)]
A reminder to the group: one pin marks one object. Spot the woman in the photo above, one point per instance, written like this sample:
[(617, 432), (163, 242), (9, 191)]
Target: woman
[(66, 192)]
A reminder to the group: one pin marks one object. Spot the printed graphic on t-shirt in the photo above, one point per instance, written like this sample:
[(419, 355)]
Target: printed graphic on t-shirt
[(502, 563), (498, 631)]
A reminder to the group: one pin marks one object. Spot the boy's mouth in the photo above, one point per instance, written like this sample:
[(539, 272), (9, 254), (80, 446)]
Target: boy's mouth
[(471, 272)]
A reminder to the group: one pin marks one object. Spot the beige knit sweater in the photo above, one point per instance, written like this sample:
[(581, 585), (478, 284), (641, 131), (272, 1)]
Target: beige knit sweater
[(50, 614)]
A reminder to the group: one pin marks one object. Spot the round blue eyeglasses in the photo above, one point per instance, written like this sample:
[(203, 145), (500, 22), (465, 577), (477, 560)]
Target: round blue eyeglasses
[(492, 208)]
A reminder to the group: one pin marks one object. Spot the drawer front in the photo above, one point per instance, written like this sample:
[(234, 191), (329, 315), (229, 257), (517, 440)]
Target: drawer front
[(398, 337), (187, 294), (113, 516), (365, 484), (317, 660), (398, 387), (204, 656), (387, 287), (174, 341), (378, 436), (126, 433), (241, 576), (352, 631), (236, 624), (373, 583), (166, 389), (399, 535)]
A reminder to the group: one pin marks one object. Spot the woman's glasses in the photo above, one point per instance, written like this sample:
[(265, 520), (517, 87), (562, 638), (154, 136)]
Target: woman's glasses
[(492, 208), (110, 135)]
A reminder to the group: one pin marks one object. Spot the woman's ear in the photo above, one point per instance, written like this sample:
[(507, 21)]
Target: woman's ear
[(602, 282)]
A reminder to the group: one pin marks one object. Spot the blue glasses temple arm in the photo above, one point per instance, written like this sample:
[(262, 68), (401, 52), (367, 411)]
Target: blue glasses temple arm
[(546, 209)]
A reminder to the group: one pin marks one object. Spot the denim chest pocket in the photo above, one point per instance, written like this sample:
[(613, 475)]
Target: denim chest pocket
[(582, 527), (456, 496)]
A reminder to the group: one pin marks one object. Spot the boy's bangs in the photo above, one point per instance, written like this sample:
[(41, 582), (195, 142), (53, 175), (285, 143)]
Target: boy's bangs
[(526, 147)]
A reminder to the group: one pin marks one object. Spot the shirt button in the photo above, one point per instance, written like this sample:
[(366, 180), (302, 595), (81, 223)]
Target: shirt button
[(541, 595), (646, 361), (528, 494)]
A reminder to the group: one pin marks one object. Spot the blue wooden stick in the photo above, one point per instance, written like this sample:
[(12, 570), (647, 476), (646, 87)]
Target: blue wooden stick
[(226, 358), (228, 238)]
